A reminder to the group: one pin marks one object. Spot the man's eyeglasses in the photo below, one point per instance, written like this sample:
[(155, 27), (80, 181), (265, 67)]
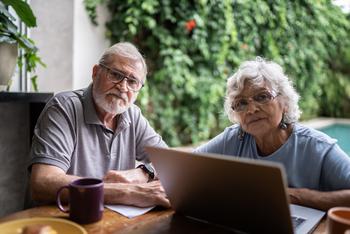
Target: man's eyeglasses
[(261, 98), (116, 76)]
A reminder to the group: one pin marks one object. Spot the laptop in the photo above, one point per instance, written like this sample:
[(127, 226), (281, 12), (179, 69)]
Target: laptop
[(244, 195)]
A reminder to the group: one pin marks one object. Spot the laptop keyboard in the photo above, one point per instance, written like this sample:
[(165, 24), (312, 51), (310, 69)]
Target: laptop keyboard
[(297, 221)]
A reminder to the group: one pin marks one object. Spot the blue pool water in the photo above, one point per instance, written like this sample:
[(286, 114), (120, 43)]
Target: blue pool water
[(341, 132)]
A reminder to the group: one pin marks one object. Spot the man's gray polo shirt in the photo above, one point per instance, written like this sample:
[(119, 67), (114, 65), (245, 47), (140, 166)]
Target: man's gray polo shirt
[(69, 135)]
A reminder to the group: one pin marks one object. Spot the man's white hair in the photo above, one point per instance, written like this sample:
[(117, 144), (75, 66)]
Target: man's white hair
[(124, 50), (257, 73)]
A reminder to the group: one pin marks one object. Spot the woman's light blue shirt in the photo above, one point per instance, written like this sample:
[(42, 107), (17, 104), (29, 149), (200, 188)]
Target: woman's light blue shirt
[(311, 158)]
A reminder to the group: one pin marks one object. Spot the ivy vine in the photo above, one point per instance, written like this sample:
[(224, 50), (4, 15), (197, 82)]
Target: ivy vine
[(193, 46)]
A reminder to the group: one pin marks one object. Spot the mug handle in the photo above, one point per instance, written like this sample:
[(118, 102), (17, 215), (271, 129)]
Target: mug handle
[(58, 199)]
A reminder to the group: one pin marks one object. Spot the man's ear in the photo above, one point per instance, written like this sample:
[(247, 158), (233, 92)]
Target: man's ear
[(95, 70)]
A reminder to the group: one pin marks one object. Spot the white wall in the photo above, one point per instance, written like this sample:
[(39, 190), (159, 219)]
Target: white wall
[(54, 36), (89, 43), (68, 43)]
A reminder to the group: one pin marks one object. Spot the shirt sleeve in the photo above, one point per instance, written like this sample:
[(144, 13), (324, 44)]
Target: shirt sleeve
[(336, 170), (54, 137), (145, 136), (215, 145)]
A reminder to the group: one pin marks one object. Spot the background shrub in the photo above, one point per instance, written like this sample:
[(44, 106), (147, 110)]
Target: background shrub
[(193, 46)]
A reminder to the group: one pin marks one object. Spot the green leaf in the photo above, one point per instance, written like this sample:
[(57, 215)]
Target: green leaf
[(34, 83), (90, 6), (8, 26), (23, 11), (189, 63), (7, 39), (25, 42), (5, 12)]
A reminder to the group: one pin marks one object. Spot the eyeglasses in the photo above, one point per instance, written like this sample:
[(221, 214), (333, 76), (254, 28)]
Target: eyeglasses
[(116, 76), (260, 99)]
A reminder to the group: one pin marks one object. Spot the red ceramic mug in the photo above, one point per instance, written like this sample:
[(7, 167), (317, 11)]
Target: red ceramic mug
[(85, 200), (338, 220)]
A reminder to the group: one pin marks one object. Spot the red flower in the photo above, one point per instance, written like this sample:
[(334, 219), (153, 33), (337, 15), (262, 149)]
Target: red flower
[(244, 46), (190, 25)]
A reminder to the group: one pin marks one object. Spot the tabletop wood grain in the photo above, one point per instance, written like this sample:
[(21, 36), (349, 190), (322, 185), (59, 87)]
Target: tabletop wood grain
[(155, 222)]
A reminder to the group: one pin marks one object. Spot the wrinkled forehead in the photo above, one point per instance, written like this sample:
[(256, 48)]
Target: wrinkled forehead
[(129, 66), (246, 87), (250, 88)]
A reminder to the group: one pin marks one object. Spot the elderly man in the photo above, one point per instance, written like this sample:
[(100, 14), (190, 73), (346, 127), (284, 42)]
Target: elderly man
[(99, 132)]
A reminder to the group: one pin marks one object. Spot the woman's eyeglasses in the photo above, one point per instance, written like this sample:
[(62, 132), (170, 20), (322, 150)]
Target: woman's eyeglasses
[(261, 98), (116, 76)]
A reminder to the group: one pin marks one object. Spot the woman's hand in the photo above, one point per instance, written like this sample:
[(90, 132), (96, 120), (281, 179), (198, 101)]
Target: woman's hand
[(319, 199), (294, 195)]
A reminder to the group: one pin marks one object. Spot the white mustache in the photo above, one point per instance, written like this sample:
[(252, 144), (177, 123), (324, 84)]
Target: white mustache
[(118, 95)]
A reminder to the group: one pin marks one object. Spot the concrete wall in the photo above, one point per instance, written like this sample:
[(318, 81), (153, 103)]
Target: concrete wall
[(18, 115), (89, 43), (54, 38), (68, 43), (14, 149)]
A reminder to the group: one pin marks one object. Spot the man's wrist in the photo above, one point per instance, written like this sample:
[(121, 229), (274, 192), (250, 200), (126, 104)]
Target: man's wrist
[(148, 169)]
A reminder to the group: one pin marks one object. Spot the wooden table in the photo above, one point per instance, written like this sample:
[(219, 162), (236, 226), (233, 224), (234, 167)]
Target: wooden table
[(155, 222)]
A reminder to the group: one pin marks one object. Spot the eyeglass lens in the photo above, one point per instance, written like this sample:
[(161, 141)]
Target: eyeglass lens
[(116, 76), (260, 98)]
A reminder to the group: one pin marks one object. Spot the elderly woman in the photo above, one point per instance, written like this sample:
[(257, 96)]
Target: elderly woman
[(262, 100)]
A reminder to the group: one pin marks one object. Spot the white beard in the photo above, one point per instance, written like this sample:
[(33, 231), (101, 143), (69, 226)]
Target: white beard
[(113, 107)]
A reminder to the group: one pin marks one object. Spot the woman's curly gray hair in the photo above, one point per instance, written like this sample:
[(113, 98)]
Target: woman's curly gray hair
[(259, 72)]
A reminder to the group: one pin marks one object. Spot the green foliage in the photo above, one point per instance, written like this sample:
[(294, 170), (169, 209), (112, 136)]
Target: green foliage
[(335, 101), (9, 33), (90, 7), (23, 11), (193, 46)]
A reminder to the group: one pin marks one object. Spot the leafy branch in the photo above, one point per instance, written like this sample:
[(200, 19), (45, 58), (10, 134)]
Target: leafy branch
[(9, 33), (192, 47)]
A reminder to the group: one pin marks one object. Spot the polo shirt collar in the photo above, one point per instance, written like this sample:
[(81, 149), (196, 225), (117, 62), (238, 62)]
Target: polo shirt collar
[(89, 107)]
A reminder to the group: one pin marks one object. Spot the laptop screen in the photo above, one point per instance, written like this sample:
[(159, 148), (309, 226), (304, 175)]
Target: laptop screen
[(243, 194)]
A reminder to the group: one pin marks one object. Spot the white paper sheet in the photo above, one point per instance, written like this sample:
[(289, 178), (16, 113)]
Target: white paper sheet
[(129, 211)]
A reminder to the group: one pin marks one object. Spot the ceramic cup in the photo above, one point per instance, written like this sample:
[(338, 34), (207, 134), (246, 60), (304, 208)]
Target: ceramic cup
[(85, 200), (338, 220)]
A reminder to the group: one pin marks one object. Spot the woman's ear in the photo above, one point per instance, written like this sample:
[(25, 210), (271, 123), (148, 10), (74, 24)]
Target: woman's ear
[(285, 109), (283, 105)]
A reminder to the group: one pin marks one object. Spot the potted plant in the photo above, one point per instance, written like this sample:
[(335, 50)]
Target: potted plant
[(11, 39)]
